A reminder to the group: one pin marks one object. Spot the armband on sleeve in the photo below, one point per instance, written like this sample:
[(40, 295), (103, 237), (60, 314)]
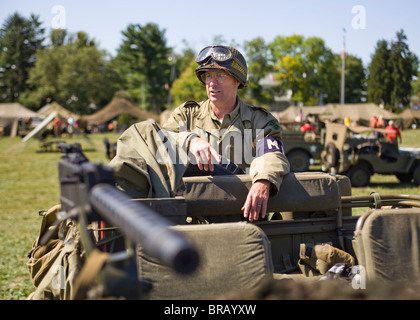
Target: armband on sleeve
[(268, 144)]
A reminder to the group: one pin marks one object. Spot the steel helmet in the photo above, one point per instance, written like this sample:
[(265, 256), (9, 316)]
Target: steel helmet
[(222, 58)]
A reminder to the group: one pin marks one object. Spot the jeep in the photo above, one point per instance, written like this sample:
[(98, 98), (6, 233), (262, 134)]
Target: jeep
[(311, 237), (352, 152), (302, 149)]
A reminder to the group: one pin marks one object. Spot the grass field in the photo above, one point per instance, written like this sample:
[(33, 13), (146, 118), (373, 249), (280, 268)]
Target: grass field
[(29, 183)]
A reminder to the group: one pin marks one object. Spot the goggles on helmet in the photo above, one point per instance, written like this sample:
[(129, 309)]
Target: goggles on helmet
[(219, 54)]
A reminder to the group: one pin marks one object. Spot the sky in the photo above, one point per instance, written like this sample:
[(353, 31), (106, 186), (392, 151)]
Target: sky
[(358, 24)]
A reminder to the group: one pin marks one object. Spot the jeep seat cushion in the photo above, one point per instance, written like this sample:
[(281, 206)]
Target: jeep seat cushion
[(388, 244), (225, 195), (233, 256)]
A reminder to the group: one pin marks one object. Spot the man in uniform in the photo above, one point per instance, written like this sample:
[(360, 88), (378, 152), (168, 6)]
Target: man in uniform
[(205, 131)]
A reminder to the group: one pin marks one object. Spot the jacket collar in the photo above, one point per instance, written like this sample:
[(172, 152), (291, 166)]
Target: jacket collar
[(206, 113)]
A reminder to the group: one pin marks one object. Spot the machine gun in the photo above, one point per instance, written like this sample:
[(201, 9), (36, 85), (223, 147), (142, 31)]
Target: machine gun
[(89, 195)]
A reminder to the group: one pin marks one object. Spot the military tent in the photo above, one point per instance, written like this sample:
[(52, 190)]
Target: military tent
[(292, 113), (410, 119), (11, 113), (359, 112), (117, 106), (61, 111)]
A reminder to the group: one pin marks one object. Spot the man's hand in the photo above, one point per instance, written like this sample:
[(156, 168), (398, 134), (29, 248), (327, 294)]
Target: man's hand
[(204, 154), (256, 200)]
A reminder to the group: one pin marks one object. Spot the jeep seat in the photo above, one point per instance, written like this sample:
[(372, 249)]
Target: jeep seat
[(233, 256), (309, 201), (388, 245), (301, 194)]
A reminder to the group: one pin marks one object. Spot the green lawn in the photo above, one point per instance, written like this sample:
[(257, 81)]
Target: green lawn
[(29, 183)]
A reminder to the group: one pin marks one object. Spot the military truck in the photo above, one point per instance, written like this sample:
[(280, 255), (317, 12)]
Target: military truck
[(309, 239), (302, 149), (358, 153)]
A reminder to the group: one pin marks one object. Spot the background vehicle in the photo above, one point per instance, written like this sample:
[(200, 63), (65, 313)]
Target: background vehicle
[(302, 148), (349, 151)]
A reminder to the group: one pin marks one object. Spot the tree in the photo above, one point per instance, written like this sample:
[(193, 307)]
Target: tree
[(304, 66), (84, 77), (187, 86), (355, 74), (415, 85), (58, 37), (288, 63), (72, 72), (179, 63), (404, 66), (259, 67), (19, 40), (143, 59), (391, 72), (42, 82), (379, 80), (183, 60)]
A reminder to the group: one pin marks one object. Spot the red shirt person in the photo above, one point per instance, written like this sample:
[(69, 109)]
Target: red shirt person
[(393, 136), (307, 127), (373, 121)]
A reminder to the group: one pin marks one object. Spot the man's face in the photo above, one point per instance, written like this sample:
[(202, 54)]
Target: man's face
[(220, 86)]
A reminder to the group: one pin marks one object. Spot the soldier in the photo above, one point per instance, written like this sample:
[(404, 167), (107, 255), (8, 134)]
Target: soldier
[(205, 130)]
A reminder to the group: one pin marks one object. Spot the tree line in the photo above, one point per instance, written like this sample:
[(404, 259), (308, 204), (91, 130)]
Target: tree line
[(70, 69)]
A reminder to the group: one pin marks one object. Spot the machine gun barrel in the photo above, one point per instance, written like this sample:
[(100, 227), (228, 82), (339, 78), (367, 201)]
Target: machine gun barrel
[(91, 187), (143, 225)]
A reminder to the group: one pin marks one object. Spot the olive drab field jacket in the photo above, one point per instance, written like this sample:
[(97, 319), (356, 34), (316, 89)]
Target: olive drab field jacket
[(151, 160)]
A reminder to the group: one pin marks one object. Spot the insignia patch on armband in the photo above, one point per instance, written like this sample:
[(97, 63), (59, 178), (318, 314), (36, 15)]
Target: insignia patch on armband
[(268, 144)]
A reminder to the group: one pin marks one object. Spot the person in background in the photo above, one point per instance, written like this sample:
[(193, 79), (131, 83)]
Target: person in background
[(307, 127), (395, 135), (380, 123), (347, 121), (373, 121)]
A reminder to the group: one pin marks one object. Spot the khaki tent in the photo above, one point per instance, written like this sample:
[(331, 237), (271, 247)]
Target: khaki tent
[(410, 119), (117, 106), (360, 112), (61, 111), (10, 113), (292, 113), (16, 110)]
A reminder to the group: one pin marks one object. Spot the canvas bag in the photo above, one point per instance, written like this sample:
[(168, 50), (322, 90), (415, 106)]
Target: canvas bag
[(54, 267)]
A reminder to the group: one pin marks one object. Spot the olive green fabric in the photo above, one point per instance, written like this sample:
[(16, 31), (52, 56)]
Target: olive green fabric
[(225, 195), (233, 256), (388, 246), (54, 267), (344, 185), (142, 164), (88, 274), (235, 132), (151, 161)]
